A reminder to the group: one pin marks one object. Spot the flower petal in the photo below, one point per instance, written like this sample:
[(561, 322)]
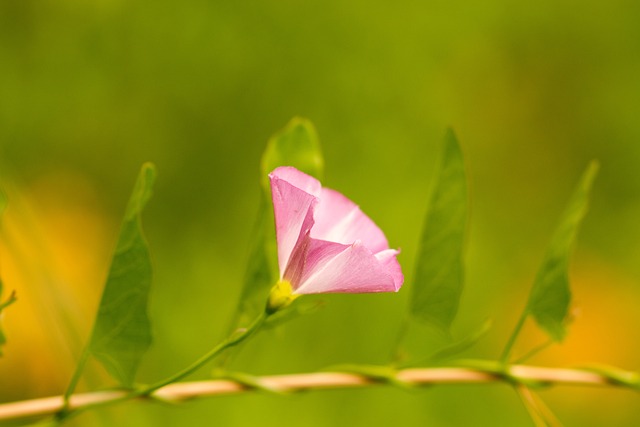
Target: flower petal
[(390, 263), (307, 256), (354, 270), (294, 196), (326, 244), (338, 219), (298, 179)]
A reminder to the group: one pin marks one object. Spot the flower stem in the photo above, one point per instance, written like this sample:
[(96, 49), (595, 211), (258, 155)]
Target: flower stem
[(232, 341), (528, 355), (426, 376), (504, 359), (540, 413), (76, 375), (396, 355)]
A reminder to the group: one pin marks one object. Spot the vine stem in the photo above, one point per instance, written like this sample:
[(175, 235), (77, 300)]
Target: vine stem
[(512, 339), (182, 391), (539, 412), (84, 357), (70, 409), (233, 340)]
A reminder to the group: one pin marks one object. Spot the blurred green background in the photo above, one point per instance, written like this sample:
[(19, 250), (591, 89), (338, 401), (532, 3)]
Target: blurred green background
[(89, 90)]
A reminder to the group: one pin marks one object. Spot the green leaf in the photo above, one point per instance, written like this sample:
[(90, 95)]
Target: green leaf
[(296, 145), (551, 295), (12, 297), (439, 276), (3, 305), (122, 331)]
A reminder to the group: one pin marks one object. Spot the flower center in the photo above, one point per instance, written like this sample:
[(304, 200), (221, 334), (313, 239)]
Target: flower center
[(281, 296)]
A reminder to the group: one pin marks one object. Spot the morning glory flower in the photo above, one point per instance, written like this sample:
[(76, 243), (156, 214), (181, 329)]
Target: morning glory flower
[(326, 244)]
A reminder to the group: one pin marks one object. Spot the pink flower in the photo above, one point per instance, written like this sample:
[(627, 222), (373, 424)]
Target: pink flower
[(325, 243)]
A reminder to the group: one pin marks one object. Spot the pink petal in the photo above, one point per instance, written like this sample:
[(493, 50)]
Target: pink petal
[(298, 179), (338, 219), (294, 195), (390, 263), (354, 270), (325, 242), (308, 255)]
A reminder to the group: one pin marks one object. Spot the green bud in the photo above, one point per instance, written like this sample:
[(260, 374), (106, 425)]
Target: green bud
[(281, 296)]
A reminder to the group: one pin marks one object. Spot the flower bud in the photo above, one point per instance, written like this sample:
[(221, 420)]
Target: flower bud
[(281, 296)]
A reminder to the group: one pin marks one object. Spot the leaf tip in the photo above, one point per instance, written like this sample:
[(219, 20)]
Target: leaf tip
[(296, 144), (439, 277), (299, 121), (148, 173), (143, 189), (450, 133), (591, 172)]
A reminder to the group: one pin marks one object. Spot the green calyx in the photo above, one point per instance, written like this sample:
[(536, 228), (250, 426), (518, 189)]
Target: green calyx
[(281, 296)]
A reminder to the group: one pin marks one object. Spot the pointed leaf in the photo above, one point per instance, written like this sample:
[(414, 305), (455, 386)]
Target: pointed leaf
[(122, 331), (296, 145), (439, 265), (551, 295)]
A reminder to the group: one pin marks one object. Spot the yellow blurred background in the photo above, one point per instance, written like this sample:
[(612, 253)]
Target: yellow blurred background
[(91, 90)]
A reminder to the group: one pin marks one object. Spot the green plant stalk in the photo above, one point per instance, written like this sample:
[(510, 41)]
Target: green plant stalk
[(232, 341), (396, 351), (67, 411), (504, 359), (476, 372), (528, 355), (540, 414), (84, 357)]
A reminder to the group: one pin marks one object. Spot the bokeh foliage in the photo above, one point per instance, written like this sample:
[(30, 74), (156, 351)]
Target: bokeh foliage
[(91, 90)]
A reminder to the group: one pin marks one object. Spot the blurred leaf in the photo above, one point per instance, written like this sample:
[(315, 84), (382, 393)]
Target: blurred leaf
[(3, 201), (9, 301), (439, 265), (12, 297), (3, 305), (551, 295), (122, 332), (296, 145)]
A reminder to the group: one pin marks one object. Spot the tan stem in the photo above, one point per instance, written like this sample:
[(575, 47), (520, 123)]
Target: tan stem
[(182, 391)]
